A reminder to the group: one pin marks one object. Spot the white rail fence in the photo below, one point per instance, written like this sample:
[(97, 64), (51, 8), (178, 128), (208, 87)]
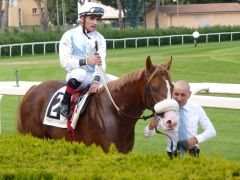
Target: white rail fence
[(216, 101), (114, 41), (10, 88)]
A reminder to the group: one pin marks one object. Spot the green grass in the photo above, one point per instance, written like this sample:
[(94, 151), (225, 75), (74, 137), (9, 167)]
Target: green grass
[(213, 62)]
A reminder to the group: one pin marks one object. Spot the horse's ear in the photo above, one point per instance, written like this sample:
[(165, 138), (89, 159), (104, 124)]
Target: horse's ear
[(149, 65), (168, 64)]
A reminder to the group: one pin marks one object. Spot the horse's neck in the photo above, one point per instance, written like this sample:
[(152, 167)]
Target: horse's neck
[(129, 99)]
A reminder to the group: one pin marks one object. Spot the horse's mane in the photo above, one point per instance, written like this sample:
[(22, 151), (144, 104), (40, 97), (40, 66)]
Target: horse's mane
[(133, 77), (128, 78)]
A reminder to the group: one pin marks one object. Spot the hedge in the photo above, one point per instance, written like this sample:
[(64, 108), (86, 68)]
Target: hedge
[(26, 157), (13, 36)]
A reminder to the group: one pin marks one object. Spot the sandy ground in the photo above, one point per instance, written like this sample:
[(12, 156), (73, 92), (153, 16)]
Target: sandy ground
[(28, 62)]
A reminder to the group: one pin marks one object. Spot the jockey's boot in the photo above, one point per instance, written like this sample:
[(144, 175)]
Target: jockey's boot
[(72, 85)]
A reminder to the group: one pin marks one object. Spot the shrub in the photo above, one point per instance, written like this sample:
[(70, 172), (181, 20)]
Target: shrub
[(34, 35)]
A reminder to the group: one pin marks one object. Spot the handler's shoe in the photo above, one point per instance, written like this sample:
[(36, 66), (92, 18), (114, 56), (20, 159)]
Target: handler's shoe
[(64, 110)]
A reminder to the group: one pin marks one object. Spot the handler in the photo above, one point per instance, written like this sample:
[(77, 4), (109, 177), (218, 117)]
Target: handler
[(191, 116)]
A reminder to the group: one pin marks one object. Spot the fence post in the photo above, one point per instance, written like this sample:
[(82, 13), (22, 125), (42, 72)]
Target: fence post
[(33, 49), (10, 51), (56, 47), (22, 49), (44, 48)]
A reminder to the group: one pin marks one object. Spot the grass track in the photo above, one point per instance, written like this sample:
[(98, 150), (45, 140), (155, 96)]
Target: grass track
[(213, 62)]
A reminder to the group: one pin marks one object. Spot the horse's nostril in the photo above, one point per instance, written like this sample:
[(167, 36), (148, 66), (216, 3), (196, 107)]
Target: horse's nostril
[(169, 122)]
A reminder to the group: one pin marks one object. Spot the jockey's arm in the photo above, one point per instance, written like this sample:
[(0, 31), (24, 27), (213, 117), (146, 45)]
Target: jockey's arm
[(67, 59)]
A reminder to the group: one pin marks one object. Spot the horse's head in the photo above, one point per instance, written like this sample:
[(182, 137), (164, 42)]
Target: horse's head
[(158, 93), (158, 83)]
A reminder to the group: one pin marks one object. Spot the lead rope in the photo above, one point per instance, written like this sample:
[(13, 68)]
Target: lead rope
[(159, 132)]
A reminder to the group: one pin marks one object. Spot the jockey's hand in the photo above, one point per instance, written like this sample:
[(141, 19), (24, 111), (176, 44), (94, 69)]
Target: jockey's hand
[(94, 87), (94, 60), (153, 123), (192, 142)]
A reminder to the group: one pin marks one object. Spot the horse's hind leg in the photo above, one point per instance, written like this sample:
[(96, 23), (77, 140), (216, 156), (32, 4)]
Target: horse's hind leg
[(30, 123), (30, 113)]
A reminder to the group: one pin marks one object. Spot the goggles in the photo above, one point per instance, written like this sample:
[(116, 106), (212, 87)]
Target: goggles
[(96, 10)]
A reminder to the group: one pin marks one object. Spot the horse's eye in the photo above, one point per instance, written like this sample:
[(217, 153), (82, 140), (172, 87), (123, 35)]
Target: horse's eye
[(155, 88)]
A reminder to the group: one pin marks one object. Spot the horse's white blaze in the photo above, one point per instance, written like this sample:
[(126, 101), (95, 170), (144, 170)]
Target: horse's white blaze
[(169, 89)]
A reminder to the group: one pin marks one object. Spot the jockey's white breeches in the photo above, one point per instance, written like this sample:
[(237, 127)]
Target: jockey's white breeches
[(86, 77)]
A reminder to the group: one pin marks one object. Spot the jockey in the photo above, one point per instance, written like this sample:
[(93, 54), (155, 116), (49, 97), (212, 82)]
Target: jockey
[(79, 55)]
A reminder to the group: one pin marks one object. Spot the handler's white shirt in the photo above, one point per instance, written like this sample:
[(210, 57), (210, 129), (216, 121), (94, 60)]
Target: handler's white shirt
[(195, 118), (195, 34)]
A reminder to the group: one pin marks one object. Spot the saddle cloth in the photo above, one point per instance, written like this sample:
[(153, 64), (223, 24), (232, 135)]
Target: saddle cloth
[(52, 116)]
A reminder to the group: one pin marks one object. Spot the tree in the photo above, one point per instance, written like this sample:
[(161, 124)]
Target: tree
[(45, 16), (120, 19), (1, 13), (157, 14), (83, 1), (63, 11), (6, 12), (44, 19)]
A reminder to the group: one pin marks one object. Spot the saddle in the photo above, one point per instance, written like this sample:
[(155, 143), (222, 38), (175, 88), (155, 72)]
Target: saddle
[(78, 105)]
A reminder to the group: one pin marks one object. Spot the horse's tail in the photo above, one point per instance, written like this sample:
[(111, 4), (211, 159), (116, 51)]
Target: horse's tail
[(20, 124)]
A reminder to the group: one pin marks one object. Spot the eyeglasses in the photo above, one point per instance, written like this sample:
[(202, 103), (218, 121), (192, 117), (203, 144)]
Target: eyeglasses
[(96, 10)]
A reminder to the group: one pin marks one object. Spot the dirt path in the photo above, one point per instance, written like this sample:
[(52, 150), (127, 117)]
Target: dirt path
[(28, 62)]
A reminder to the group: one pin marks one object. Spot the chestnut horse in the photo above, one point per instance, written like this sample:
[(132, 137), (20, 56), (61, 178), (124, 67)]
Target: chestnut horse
[(101, 124)]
